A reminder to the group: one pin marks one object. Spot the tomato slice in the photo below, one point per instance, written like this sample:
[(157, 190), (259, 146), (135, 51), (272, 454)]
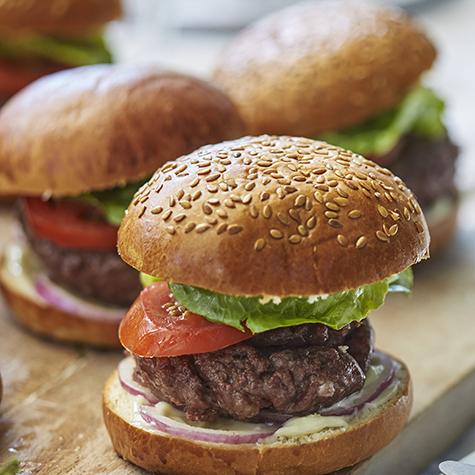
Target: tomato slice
[(157, 325), (69, 224), (16, 77)]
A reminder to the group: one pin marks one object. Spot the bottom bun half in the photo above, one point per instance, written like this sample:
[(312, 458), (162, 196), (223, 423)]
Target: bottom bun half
[(38, 315), (328, 450)]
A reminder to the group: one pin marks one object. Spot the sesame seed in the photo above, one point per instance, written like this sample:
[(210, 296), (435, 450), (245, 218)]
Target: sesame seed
[(295, 239), (366, 192), (319, 171), (361, 242), (282, 217), (204, 171), (332, 206), (342, 240), (247, 198), (234, 229), (295, 215), (249, 186), (334, 223), (170, 230), (302, 230), (181, 168), (167, 215), (383, 211), (185, 204), (190, 226), (267, 211), (290, 189), (229, 203), (253, 211), (211, 220), (393, 229), (276, 233), (266, 181), (351, 184), (206, 208), (264, 196), (235, 198), (259, 244), (311, 222), (159, 187), (179, 217), (419, 227), (299, 201), (407, 214), (331, 214), (222, 228), (201, 228), (322, 187), (196, 195), (142, 211), (341, 201), (223, 186), (213, 177), (318, 196), (214, 201), (156, 210), (280, 193), (382, 236), (221, 213)]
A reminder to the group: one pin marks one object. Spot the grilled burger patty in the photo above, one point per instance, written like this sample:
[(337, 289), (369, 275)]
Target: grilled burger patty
[(427, 167), (295, 370), (97, 274)]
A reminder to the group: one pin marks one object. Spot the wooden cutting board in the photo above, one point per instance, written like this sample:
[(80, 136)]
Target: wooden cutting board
[(51, 413)]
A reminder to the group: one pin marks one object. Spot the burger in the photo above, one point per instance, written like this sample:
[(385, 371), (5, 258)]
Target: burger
[(349, 73), (43, 36), (76, 146), (249, 350)]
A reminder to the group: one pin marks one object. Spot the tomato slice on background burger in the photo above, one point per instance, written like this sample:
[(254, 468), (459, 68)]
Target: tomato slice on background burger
[(156, 325), (69, 224), (16, 77)]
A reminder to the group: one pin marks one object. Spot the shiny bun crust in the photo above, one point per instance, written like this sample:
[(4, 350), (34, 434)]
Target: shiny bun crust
[(99, 126), (321, 66), (312, 455), (53, 16), (271, 215), (57, 324)]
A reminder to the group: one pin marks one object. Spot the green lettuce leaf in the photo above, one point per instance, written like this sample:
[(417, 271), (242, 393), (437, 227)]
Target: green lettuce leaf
[(334, 310), (74, 51), (113, 202), (10, 467), (420, 113), (146, 279)]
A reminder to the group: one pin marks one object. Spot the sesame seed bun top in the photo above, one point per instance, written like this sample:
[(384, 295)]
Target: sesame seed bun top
[(56, 16), (271, 215), (322, 66), (95, 127)]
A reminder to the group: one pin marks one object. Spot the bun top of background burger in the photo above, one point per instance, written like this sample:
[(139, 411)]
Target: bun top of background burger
[(40, 37), (77, 145), (253, 354), (349, 73)]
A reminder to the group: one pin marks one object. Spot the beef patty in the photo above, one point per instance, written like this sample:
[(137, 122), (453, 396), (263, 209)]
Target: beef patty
[(427, 167), (295, 370), (97, 274)]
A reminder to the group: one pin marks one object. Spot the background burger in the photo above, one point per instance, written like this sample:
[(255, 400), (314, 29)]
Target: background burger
[(77, 145), (43, 36), (349, 73), (253, 354)]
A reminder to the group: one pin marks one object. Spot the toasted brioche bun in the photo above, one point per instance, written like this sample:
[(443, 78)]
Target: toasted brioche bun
[(323, 452), (33, 312), (51, 16), (99, 126), (279, 216), (52, 322), (322, 65)]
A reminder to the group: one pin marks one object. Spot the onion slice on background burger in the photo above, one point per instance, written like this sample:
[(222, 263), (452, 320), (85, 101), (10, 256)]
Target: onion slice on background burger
[(263, 257), (76, 146)]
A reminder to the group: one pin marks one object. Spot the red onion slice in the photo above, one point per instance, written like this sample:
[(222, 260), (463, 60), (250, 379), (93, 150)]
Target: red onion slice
[(180, 429), (369, 392), (64, 300), (126, 370)]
